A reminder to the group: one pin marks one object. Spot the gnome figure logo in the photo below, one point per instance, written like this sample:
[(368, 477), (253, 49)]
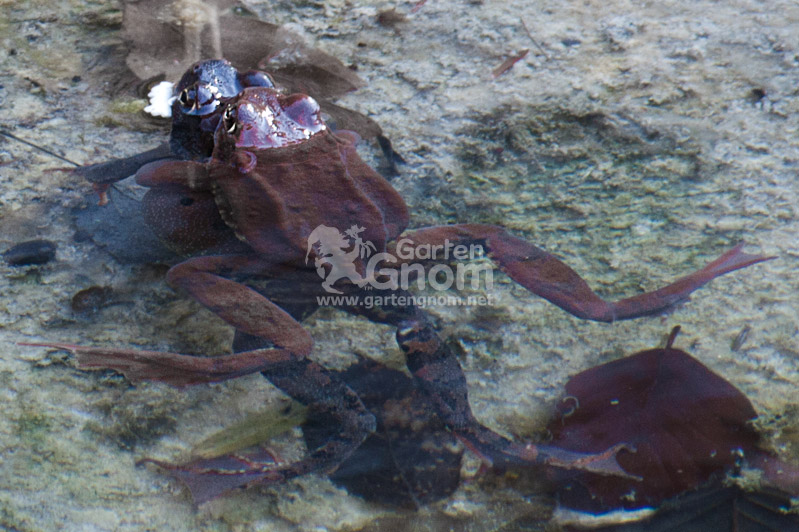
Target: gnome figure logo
[(331, 249)]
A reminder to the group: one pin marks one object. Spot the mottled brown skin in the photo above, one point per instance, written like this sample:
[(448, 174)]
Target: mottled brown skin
[(276, 174)]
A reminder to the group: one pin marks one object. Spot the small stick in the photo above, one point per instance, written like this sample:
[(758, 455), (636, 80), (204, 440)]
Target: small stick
[(417, 6), (99, 182), (508, 63), (527, 31), (5, 133)]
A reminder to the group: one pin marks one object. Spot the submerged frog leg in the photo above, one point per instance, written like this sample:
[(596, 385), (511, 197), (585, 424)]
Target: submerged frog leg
[(547, 276), (436, 370), (118, 169)]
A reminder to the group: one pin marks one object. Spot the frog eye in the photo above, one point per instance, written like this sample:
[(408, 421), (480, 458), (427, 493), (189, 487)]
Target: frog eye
[(229, 120), (186, 99)]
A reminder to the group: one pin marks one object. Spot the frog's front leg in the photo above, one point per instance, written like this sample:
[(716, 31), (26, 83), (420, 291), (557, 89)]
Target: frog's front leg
[(548, 277), (284, 362), (109, 172)]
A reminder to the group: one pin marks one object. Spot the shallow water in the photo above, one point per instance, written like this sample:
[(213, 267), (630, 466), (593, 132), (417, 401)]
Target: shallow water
[(635, 141)]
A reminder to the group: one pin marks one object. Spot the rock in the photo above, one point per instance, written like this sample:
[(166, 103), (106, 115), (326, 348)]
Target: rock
[(30, 252)]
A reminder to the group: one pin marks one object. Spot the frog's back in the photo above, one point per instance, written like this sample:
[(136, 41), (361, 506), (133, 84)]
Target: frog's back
[(292, 190)]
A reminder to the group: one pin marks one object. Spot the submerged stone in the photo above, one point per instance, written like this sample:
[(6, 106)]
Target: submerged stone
[(30, 252)]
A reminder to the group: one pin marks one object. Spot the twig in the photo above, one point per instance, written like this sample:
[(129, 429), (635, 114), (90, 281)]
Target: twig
[(7, 134), (417, 6), (508, 63), (529, 34), (100, 188)]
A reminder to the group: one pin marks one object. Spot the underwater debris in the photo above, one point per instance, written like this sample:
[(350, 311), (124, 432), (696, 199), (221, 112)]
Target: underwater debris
[(418, 5), (716, 509), (391, 18), (90, 300), (688, 426), (29, 253), (508, 63), (167, 36)]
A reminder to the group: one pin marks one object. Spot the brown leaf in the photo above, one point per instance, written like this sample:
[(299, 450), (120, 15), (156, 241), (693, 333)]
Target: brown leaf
[(167, 36), (687, 424)]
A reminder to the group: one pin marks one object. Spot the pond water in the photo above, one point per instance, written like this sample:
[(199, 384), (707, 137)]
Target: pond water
[(634, 141)]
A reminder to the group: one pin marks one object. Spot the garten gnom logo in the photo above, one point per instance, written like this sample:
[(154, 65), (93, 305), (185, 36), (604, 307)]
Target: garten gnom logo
[(330, 247), (440, 267)]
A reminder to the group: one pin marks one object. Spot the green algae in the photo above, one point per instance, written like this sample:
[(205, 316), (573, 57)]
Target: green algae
[(33, 425), (15, 521), (127, 106), (136, 417)]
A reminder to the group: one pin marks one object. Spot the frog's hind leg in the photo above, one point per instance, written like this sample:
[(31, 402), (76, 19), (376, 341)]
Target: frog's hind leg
[(548, 277), (240, 306), (272, 342), (302, 379), (436, 370)]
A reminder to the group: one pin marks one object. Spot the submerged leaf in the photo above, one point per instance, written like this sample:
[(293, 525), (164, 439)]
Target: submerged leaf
[(167, 36), (254, 429), (686, 423)]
